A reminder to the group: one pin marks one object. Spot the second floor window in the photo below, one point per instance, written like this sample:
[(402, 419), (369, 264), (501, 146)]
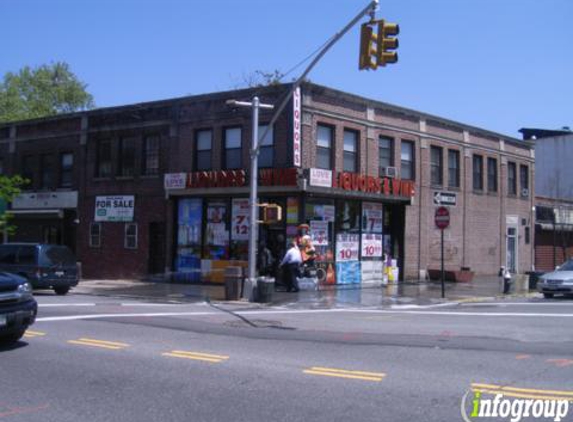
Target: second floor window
[(233, 148), (511, 179), (524, 180), (150, 157), (324, 147), (266, 150), (126, 163), (47, 171), (203, 150), (350, 150), (436, 165), (478, 172), (385, 154), (66, 170), (453, 168), (407, 160), (103, 158), (28, 163), (491, 174)]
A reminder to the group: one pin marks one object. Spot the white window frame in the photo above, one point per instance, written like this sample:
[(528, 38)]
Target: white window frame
[(127, 237), (95, 240)]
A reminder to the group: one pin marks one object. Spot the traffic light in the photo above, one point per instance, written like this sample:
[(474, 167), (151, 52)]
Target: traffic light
[(387, 42), (271, 213), (368, 47)]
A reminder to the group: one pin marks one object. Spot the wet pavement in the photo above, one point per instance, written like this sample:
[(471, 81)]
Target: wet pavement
[(402, 294)]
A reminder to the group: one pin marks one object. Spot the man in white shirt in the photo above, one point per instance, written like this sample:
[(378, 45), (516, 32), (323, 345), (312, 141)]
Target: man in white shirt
[(292, 261)]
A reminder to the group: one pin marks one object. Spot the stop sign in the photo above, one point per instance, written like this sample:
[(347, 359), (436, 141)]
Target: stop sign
[(442, 218)]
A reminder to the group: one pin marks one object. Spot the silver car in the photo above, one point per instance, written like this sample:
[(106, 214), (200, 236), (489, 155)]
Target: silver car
[(559, 281)]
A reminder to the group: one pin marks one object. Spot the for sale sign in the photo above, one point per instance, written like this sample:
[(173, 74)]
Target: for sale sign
[(114, 208)]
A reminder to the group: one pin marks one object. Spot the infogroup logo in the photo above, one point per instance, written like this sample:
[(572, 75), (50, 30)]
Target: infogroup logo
[(513, 404)]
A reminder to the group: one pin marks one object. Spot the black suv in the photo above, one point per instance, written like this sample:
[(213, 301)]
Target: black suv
[(18, 308), (45, 266)]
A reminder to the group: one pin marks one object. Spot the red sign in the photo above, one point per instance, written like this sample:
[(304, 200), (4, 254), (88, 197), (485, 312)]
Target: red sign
[(238, 178), (370, 184), (442, 218)]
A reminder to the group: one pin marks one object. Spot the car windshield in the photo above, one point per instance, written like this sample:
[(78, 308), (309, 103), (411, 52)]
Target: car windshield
[(567, 266), (57, 255)]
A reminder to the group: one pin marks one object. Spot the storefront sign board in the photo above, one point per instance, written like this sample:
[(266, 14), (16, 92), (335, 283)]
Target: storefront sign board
[(297, 120), (114, 208), (321, 178), (175, 181)]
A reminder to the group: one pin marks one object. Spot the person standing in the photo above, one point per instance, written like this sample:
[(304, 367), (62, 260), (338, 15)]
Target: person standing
[(292, 261)]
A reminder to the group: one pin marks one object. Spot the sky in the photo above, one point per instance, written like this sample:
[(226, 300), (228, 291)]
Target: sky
[(496, 64)]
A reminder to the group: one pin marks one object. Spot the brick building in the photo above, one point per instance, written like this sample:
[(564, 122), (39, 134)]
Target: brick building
[(161, 187)]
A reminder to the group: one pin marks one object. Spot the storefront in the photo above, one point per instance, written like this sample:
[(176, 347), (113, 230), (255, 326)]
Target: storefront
[(355, 223)]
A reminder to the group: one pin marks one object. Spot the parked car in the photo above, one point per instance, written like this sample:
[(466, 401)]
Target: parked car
[(45, 266), (17, 307), (559, 281)]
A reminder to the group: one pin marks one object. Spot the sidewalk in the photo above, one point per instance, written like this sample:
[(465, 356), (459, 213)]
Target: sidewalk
[(409, 293)]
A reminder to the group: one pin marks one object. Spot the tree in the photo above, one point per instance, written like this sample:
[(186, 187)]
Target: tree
[(9, 189), (42, 91)]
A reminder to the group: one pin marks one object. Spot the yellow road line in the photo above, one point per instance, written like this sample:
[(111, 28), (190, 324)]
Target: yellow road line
[(34, 333), (108, 343), (87, 343), (343, 373), (522, 395), (207, 355), (193, 357), (525, 390)]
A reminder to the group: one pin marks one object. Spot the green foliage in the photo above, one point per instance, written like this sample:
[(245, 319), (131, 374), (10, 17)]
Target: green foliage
[(42, 91), (9, 189)]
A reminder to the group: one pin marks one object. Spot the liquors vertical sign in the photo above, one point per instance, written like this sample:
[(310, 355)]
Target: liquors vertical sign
[(296, 136)]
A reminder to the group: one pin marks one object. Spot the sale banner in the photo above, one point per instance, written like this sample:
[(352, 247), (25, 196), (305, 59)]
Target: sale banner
[(240, 220), (371, 246), (347, 247)]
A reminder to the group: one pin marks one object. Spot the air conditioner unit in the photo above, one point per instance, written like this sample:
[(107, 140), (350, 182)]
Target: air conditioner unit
[(390, 172), (524, 192)]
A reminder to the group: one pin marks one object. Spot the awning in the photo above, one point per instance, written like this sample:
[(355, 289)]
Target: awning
[(50, 213)]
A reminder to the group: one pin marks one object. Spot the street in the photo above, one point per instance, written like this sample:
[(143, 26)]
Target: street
[(93, 358)]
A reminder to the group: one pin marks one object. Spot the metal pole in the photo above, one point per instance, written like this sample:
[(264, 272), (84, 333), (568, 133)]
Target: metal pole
[(443, 273), (254, 210)]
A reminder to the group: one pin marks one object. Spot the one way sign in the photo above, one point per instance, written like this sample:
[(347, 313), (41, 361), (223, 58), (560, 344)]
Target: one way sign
[(445, 198)]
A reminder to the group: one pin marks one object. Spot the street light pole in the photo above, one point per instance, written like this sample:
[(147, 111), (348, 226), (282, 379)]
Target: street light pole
[(255, 105)]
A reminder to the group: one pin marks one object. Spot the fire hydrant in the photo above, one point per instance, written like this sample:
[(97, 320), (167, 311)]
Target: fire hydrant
[(506, 276)]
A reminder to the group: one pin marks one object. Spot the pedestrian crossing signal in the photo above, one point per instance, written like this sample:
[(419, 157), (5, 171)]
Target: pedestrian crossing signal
[(272, 214)]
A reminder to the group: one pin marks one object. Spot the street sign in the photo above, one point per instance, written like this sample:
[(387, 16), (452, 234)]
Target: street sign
[(442, 218), (445, 198)]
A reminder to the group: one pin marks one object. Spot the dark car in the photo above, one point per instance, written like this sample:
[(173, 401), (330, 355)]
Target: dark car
[(17, 307), (45, 266)]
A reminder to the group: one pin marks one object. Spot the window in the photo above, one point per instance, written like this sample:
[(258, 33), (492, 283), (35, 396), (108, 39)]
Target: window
[(66, 170), (385, 154), (491, 174), (103, 159), (150, 165), (350, 149), (203, 149), (324, 147), (524, 180), (453, 168), (266, 150), (511, 179), (407, 160), (233, 148), (126, 164), (436, 165), (95, 235), (478, 172), (130, 238), (28, 169), (47, 171)]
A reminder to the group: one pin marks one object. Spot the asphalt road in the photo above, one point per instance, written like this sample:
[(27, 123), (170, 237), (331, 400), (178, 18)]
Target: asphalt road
[(109, 359)]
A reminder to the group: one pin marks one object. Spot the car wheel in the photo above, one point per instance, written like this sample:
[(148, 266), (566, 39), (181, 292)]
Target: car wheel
[(62, 290), (547, 295), (12, 338)]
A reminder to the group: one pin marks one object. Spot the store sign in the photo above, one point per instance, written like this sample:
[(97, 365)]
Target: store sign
[(319, 233), (43, 200), (296, 136), (175, 181), (114, 208), (371, 246), (240, 220), (347, 247), (321, 178), (370, 184)]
